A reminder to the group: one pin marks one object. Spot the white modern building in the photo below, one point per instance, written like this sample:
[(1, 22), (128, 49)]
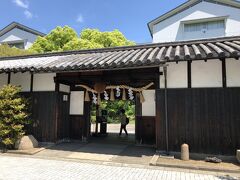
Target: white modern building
[(197, 19), (18, 35)]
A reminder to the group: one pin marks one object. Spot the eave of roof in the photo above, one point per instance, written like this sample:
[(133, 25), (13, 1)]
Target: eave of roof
[(20, 26), (186, 5), (140, 56)]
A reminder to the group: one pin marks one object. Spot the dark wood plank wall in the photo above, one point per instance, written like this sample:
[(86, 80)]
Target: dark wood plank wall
[(208, 119), (62, 108), (43, 115), (145, 127), (49, 114), (77, 123)]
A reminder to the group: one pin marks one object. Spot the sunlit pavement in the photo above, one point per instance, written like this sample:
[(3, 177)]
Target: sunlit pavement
[(115, 128), (14, 167)]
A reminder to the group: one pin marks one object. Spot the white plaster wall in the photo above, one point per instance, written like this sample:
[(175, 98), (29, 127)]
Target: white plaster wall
[(76, 102), (3, 79), (176, 75), (207, 74), (233, 72), (19, 35), (44, 82), (64, 88), (149, 107), (21, 79), (171, 29)]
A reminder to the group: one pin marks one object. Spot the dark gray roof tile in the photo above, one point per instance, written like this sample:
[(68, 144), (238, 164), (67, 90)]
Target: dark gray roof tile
[(122, 57)]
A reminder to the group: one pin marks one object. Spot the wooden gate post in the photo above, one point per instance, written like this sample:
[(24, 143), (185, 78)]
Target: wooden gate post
[(86, 130)]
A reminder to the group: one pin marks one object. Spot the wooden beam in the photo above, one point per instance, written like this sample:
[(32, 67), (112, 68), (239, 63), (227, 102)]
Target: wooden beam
[(87, 118), (57, 86), (159, 122), (9, 77), (31, 83), (224, 76), (189, 73), (138, 115)]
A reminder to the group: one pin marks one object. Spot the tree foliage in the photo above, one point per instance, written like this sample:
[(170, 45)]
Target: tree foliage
[(105, 39), (113, 108), (77, 44), (55, 40), (13, 115), (66, 38), (5, 51)]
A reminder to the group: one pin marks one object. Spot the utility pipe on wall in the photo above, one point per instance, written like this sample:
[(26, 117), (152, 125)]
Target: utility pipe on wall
[(166, 107)]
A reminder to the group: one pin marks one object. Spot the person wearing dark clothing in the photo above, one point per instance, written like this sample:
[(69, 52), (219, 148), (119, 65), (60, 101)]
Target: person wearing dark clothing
[(123, 119)]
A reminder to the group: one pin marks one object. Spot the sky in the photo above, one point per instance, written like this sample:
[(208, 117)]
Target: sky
[(129, 16)]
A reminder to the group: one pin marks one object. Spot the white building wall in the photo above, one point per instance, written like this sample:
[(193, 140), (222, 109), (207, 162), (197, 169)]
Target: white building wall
[(44, 82), (19, 35), (64, 88), (149, 105), (207, 74), (176, 75), (233, 72), (21, 79), (3, 79), (171, 29), (77, 103)]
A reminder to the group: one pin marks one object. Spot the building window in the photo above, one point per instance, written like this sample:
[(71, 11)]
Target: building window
[(19, 45), (204, 26)]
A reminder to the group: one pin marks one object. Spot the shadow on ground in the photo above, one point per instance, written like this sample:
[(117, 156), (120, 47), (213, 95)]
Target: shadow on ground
[(110, 148)]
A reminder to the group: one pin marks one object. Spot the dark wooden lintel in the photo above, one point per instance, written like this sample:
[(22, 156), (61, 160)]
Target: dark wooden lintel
[(133, 78), (31, 83), (224, 76), (9, 77), (189, 73)]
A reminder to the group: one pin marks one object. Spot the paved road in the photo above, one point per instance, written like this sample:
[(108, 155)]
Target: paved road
[(19, 168)]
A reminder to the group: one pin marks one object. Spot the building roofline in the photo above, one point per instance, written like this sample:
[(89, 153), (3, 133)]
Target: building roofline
[(121, 48), (148, 55), (20, 26), (186, 5)]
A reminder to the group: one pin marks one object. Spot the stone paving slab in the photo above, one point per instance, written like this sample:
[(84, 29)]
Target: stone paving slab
[(200, 165), (18, 168), (135, 155), (98, 152), (27, 151)]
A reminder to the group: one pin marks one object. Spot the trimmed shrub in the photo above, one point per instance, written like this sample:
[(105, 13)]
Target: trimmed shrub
[(13, 115)]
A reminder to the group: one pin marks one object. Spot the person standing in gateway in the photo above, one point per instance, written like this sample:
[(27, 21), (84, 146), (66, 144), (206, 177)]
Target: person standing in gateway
[(124, 121)]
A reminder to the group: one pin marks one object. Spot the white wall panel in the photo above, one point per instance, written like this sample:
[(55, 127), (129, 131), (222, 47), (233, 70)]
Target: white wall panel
[(64, 88), (44, 82), (76, 102), (207, 74), (21, 79), (3, 79), (233, 72), (176, 75), (149, 107)]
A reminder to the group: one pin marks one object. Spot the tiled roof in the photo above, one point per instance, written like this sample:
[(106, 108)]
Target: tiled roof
[(147, 55), (20, 26)]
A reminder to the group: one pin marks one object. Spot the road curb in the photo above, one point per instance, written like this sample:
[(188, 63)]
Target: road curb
[(197, 168)]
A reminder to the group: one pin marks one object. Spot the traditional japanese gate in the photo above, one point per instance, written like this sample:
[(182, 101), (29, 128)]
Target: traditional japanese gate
[(83, 83)]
